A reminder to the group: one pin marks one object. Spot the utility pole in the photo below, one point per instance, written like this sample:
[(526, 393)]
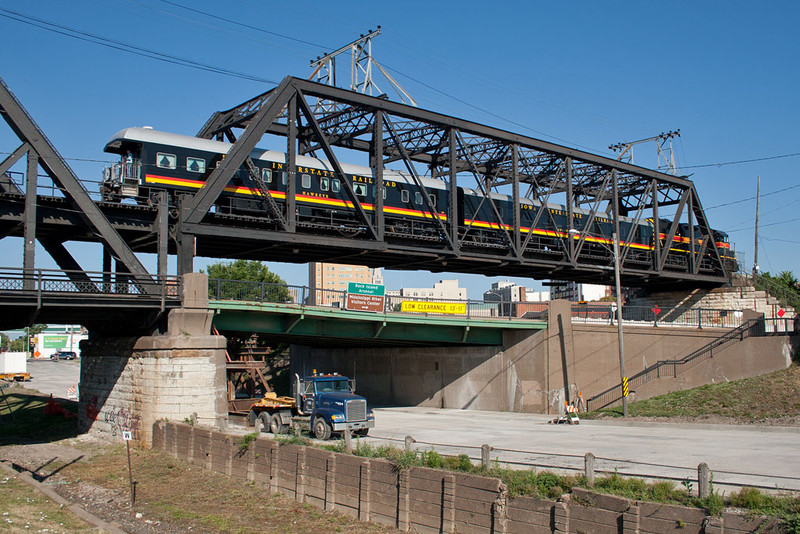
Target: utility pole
[(623, 378), (758, 201), (361, 68)]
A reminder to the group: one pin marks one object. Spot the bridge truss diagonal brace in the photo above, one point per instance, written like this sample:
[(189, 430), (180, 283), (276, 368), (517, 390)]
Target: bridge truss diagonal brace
[(62, 175), (237, 154), (337, 167)]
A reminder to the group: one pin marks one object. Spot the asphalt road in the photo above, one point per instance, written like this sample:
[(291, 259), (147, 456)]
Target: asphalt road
[(48, 376), (737, 455)]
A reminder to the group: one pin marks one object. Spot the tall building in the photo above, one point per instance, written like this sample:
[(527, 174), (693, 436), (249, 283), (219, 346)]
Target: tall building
[(577, 292), (506, 291), (328, 281), (443, 289)]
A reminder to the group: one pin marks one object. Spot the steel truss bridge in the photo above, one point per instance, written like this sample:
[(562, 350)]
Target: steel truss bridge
[(331, 123)]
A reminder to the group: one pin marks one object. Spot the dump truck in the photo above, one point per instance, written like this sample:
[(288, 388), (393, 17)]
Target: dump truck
[(322, 404)]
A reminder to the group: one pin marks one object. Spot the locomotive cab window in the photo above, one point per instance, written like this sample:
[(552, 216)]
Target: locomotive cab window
[(335, 185), (195, 165), (166, 161), (266, 175), (432, 198), (306, 181), (404, 196), (323, 184), (417, 198)]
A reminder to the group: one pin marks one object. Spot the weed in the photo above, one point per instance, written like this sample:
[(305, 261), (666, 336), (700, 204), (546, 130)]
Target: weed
[(246, 440)]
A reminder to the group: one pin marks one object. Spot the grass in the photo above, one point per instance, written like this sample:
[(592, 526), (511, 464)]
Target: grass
[(29, 421), (23, 509), (767, 398)]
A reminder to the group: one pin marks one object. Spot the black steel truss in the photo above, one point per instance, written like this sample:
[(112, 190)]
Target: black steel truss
[(41, 153), (316, 118)]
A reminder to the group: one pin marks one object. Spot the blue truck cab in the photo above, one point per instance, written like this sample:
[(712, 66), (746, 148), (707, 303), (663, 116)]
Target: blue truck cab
[(332, 405)]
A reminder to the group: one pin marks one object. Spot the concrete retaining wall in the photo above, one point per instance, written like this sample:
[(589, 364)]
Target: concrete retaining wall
[(538, 372), (428, 500)]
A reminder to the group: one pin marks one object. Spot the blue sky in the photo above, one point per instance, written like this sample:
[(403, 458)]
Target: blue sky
[(581, 74)]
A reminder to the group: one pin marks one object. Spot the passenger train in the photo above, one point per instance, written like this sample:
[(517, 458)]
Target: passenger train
[(152, 160)]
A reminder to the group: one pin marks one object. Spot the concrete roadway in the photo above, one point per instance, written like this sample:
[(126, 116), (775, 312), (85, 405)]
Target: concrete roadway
[(48, 376), (737, 455)]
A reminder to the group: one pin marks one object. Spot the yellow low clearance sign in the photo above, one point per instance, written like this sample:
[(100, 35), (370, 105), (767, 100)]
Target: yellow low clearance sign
[(455, 308)]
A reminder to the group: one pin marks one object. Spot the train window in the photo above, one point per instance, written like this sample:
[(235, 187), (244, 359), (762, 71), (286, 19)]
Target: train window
[(360, 189), (166, 161), (335, 185), (323, 184), (306, 181), (417, 198), (266, 175), (432, 198), (404, 196), (384, 193), (195, 165), (283, 178)]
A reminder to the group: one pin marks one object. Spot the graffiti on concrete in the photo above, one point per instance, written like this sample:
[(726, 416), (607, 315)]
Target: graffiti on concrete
[(91, 409), (121, 420)]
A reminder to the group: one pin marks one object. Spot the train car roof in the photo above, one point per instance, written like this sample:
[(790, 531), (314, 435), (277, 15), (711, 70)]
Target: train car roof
[(150, 135)]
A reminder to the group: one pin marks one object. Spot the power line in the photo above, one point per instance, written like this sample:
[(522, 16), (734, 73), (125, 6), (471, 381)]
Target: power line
[(739, 162), (125, 47), (766, 225), (753, 198)]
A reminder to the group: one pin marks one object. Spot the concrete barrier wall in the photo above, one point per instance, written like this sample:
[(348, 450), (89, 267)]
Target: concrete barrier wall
[(428, 500), (538, 372)]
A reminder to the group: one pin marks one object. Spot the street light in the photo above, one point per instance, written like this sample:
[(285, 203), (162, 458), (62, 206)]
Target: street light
[(623, 379)]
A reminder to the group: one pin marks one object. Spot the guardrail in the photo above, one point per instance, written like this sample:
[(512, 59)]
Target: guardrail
[(672, 368), (640, 315), (310, 296), (577, 463)]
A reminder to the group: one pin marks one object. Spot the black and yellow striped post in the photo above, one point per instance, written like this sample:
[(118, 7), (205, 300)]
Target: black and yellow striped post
[(625, 386)]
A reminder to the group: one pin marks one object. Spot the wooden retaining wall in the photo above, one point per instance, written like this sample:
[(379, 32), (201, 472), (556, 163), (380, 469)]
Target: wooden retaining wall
[(429, 500)]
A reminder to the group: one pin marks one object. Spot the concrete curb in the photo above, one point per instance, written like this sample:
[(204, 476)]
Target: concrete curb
[(78, 510)]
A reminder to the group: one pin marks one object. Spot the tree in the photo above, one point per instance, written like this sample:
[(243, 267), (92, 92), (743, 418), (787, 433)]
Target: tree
[(246, 280)]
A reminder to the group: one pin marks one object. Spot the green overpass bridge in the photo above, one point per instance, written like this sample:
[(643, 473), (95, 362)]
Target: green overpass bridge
[(332, 326)]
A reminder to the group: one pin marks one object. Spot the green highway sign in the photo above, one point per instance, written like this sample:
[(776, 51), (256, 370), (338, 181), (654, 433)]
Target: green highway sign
[(357, 288)]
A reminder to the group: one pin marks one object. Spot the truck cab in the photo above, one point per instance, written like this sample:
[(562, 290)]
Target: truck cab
[(330, 401)]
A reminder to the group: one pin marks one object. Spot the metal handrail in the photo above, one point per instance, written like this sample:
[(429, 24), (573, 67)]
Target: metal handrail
[(41, 282)]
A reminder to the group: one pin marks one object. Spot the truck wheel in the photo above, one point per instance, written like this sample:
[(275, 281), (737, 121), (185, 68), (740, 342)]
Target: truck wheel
[(276, 426), (263, 422), (361, 433), (322, 430)]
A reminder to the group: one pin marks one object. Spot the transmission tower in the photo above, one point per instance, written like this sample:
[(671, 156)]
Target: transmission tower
[(666, 157), (362, 63)]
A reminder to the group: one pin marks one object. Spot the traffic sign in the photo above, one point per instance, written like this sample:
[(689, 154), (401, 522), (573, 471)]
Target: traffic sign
[(369, 303), (359, 288), (455, 308)]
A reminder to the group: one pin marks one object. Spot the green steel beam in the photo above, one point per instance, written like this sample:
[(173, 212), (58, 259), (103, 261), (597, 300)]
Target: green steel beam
[(294, 321)]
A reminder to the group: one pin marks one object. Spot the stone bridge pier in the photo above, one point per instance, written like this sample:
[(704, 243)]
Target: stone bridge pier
[(128, 383)]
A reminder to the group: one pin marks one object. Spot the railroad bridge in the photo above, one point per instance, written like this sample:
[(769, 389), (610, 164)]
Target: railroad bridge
[(151, 350)]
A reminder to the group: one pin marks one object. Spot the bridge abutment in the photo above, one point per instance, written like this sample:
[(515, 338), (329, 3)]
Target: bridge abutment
[(129, 383)]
